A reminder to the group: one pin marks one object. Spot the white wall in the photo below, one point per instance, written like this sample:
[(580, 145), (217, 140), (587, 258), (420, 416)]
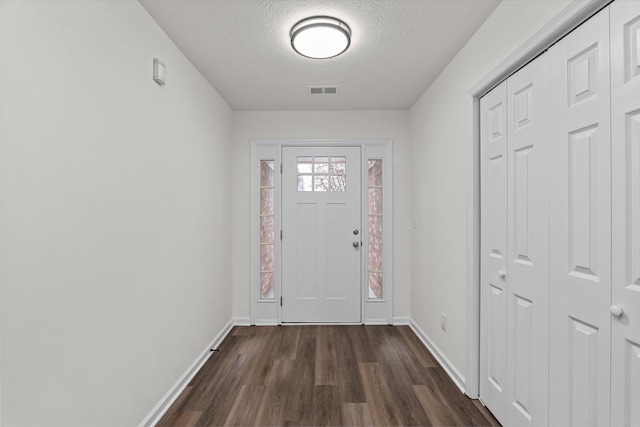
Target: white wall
[(438, 164), (319, 125), (114, 218)]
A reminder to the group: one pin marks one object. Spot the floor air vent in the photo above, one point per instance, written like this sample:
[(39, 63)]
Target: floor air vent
[(323, 90)]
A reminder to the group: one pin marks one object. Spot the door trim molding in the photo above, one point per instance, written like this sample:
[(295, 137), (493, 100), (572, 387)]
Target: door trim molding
[(568, 19), (268, 312)]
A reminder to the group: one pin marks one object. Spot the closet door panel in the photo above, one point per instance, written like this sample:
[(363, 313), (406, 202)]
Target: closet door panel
[(528, 245), (625, 151), (493, 295), (580, 227)]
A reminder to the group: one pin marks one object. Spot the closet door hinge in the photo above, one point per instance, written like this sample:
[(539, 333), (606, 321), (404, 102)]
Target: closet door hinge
[(280, 234), (280, 168), (280, 301)]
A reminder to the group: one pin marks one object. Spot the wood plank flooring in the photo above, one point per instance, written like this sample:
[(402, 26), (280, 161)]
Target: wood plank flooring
[(324, 376)]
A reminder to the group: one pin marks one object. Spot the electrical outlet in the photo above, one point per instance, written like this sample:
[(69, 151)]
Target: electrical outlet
[(443, 322)]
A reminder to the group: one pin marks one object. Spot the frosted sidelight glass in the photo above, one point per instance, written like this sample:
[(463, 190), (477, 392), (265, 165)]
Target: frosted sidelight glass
[(375, 228), (267, 173), (267, 229), (266, 286), (375, 285), (375, 173), (267, 201), (266, 258), (375, 257), (375, 200), (374, 206)]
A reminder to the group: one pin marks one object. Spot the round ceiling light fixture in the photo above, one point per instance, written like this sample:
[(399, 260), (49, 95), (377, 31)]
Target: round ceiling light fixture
[(320, 37)]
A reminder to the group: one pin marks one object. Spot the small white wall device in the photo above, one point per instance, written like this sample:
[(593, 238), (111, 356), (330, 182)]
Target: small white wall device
[(159, 72)]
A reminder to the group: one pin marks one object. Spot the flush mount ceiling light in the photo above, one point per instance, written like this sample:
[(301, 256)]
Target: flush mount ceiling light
[(320, 37)]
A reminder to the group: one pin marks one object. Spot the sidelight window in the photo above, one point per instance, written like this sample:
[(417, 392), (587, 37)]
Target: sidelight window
[(267, 229), (375, 228)]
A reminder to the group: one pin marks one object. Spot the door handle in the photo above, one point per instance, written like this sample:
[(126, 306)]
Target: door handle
[(616, 310), (356, 231), (356, 244), (502, 274)]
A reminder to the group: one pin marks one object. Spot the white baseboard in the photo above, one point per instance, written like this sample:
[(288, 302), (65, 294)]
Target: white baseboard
[(376, 322), (167, 400), (241, 321), (401, 321), (394, 321), (267, 322), (446, 364), (318, 324)]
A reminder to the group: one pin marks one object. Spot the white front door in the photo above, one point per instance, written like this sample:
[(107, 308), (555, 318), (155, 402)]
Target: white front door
[(580, 225), (321, 241)]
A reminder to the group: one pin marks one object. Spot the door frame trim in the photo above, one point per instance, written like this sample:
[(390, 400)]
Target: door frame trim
[(268, 312), (567, 20)]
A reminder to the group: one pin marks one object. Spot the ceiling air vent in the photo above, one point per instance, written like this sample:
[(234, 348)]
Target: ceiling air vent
[(323, 90)]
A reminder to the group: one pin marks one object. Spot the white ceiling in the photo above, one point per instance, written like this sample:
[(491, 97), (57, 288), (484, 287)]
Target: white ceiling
[(242, 48)]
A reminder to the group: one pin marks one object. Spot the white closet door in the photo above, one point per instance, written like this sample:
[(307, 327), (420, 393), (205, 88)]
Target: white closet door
[(493, 295), (528, 245), (580, 220), (625, 141)]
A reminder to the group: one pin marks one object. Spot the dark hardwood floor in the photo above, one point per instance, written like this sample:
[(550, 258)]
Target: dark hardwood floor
[(324, 376)]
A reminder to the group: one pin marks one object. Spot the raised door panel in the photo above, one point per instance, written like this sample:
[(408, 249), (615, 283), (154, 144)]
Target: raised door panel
[(306, 248), (584, 346), (493, 295), (339, 243), (522, 363), (625, 131), (496, 333), (580, 227), (629, 385), (584, 217), (497, 197), (528, 245), (521, 197)]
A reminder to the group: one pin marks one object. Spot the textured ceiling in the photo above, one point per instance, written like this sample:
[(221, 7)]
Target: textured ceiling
[(242, 48)]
